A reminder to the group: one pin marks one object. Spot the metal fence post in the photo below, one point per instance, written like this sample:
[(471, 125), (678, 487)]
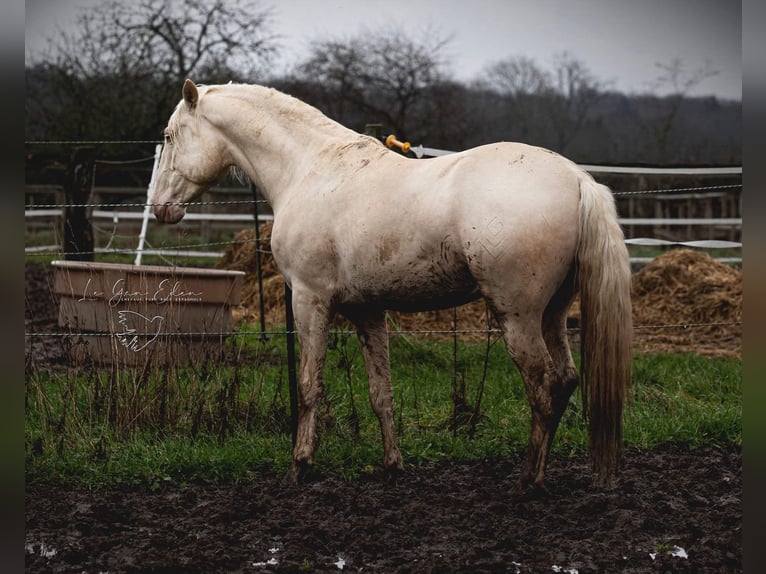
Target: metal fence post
[(292, 378), (78, 231), (258, 263)]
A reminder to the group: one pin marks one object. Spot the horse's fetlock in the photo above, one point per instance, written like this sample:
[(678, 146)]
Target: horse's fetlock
[(393, 460)]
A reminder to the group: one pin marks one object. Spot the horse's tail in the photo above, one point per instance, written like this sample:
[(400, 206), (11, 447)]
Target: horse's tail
[(604, 279)]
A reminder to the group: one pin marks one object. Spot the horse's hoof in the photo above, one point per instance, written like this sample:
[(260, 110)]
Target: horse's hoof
[(299, 472), (528, 490), (393, 473), (291, 478), (605, 482)]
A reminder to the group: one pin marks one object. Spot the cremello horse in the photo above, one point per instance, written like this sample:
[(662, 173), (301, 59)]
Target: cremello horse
[(359, 229)]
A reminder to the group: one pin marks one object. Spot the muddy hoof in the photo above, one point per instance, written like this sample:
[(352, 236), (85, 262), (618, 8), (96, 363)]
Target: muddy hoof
[(529, 491), (300, 472), (393, 473)]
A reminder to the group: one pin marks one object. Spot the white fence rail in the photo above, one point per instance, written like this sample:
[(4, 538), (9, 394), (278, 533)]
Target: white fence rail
[(117, 215)]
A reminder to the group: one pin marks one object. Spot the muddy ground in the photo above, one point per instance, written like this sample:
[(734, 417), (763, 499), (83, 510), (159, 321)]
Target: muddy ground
[(672, 511)]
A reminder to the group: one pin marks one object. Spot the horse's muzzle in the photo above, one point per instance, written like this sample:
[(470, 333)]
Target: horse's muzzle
[(169, 212)]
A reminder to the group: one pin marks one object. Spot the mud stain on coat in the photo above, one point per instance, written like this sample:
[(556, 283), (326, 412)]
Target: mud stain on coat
[(388, 248)]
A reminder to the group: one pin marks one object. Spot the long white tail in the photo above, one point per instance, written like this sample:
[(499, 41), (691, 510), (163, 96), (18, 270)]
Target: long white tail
[(603, 270)]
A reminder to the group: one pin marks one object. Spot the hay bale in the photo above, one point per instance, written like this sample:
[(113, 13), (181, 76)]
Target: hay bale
[(684, 286), (241, 254)]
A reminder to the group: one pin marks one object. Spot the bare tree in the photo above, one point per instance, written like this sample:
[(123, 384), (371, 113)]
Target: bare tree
[(176, 39), (544, 107), (571, 96), (516, 76), (128, 59), (336, 70), (384, 76), (520, 83), (679, 80)]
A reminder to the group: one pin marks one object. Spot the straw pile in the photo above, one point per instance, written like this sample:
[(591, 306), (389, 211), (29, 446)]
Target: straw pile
[(681, 287), (241, 255)]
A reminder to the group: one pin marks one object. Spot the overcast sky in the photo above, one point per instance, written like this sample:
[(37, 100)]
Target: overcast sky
[(620, 41)]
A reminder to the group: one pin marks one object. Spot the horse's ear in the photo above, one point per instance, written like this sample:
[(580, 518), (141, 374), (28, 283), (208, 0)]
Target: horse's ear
[(191, 96)]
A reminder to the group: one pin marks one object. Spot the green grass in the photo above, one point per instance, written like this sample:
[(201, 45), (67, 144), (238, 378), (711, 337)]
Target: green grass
[(688, 399), (229, 422)]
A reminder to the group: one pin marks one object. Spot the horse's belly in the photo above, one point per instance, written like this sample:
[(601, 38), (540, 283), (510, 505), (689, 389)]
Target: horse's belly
[(414, 286), (431, 303)]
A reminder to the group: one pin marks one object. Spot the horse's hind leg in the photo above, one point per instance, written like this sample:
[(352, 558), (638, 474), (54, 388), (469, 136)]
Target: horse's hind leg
[(373, 338), (547, 392), (555, 334)]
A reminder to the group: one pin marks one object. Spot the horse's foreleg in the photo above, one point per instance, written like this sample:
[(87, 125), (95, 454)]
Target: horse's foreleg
[(312, 319), (373, 338)]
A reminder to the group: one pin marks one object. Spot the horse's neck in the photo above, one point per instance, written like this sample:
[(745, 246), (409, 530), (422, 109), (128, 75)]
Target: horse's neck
[(276, 139)]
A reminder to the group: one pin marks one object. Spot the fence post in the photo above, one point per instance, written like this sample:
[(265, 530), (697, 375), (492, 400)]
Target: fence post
[(292, 379), (258, 263), (78, 232), (148, 205), (374, 130)]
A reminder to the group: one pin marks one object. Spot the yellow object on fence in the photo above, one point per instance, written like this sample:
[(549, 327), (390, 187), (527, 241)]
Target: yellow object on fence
[(391, 141)]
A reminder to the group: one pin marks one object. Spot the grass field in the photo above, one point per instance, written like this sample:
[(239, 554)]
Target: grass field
[(229, 422)]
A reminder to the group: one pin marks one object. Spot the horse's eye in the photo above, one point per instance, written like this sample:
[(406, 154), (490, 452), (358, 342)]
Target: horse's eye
[(168, 138)]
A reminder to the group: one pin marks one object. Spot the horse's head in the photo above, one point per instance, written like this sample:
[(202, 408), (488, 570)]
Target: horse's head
[(193, 158)]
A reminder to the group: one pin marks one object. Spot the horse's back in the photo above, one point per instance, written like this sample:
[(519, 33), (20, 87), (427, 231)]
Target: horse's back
[(413, 234), (507, 173)]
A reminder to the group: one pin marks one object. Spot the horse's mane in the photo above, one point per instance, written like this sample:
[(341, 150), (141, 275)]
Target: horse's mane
[(239, 174), (286, 106)]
